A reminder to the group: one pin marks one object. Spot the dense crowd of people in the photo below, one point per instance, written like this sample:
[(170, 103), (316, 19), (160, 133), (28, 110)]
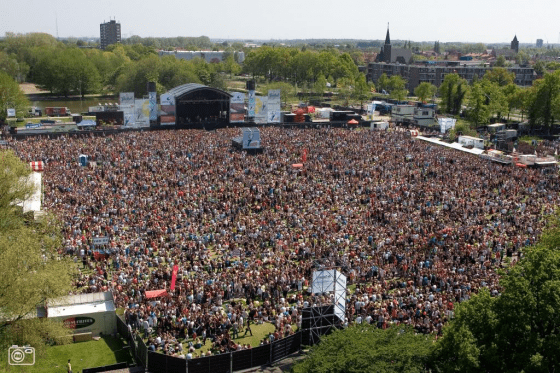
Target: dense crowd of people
[(416, 228)]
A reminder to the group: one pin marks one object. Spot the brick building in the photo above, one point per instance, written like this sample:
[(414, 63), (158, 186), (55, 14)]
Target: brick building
[(435, 74)]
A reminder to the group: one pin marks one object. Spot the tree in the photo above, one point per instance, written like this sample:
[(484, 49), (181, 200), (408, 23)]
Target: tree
[(459, 350), (452, 92), (540, 68), (500, 61), (383, 83), (478, 104), (358, 57), (10, 65), (230, 66), (553, 66), (425, 91), (511, 92), (496, 98), (366, 348), (500, 76), (135, 76), (67, 71), (517, 331), (345, 89), (362, 91), (11, 97), (519, 100), (320, 85), (397, 87), (31, 270), (14, 186), (544, 106), (522, 58)]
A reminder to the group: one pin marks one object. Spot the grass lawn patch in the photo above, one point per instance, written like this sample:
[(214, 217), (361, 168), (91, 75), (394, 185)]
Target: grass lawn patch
[(108, 350), (259, 332), (529, 139)]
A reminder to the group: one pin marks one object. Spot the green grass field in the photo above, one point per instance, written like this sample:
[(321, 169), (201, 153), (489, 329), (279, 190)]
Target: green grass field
[(106, 351), (259, 332)]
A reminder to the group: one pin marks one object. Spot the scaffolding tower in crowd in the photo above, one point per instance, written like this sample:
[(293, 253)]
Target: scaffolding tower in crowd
[(319, 319)]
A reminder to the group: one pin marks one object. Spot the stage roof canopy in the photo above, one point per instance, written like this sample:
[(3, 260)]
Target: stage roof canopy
[(190, 88)]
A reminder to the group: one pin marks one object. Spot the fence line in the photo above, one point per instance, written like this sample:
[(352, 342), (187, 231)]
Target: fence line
[(156, 362), (141, 351), (137, 345)]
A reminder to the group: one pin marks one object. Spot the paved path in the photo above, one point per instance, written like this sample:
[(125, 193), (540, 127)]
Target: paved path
[(280, 366)]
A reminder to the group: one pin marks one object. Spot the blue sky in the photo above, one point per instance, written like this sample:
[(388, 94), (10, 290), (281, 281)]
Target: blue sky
[(488, 21)]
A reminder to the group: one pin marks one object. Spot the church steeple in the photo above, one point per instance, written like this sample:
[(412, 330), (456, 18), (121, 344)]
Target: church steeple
[(387, 38), (387, 47), (515, 44)]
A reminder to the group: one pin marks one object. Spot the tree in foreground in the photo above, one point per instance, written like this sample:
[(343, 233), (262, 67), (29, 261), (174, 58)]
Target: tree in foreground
[(366, 348), (518, 331), (30, 269)]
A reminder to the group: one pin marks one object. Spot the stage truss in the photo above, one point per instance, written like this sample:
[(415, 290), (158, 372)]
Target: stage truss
[(322, 318)]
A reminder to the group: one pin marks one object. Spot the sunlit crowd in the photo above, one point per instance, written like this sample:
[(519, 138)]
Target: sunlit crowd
[(415, 227)]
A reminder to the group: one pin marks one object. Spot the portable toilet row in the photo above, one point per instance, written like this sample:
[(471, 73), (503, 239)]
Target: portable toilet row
[(83, 159)]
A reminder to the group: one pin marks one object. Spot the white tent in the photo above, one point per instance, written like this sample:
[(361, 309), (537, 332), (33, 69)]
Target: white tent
[(324, 113), (84, 313), (445, 124), (33, 203)]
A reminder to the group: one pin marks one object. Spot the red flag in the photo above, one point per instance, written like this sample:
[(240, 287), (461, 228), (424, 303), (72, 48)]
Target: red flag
[(304, 157), (174, 276)]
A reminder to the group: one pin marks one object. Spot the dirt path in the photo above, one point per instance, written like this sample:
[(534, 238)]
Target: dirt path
[(30, 89)]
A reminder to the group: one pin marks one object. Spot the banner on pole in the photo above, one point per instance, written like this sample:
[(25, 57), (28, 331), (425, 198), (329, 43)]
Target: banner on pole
[(174, 276)]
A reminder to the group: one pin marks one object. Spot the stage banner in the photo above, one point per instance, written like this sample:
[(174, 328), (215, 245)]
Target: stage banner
[(237, 108), (168, 108), (261, 109), (141, 113), (152, 105), (252, 104), (126, 99), (128, 115), (274, 106), (174, 276)]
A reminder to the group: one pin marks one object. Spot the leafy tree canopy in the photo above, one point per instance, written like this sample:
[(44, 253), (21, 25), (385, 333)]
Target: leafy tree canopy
[(31, 270), (517, 331), (11, 97), (366, 348)]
